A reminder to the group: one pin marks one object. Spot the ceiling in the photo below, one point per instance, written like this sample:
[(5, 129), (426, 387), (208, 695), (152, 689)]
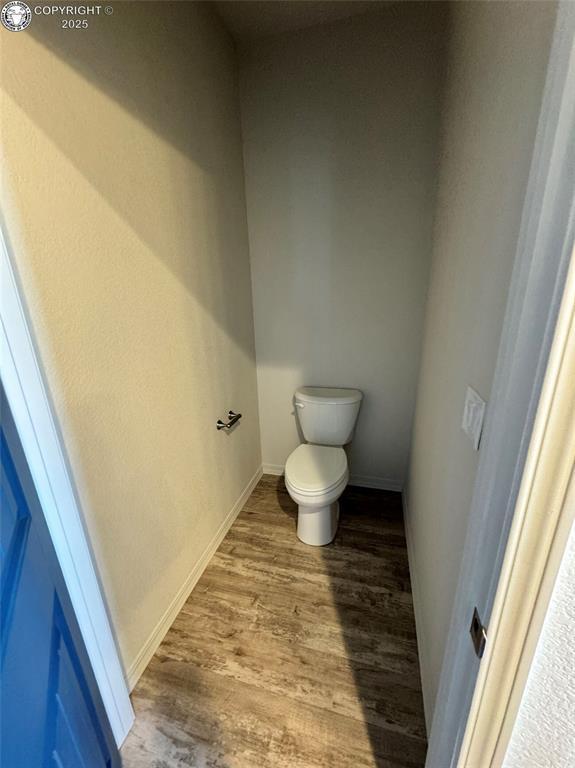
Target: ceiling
[(248, 20)]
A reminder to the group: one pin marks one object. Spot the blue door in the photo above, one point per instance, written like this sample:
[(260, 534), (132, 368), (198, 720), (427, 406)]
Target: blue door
[(51, 714)]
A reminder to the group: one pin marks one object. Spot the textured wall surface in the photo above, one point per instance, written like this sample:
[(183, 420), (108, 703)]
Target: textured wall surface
[(340, 126), (544, 732), (497, 61), (123, 199)]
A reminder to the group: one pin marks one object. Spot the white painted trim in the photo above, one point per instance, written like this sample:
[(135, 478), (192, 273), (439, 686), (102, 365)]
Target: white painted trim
[(543, 519), (159, 632), (422, 644), (541, 262), (37, 428), (371, 481), (273, 469), (363, 481)]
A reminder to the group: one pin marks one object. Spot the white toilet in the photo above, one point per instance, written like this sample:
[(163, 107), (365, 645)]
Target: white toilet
[(316, 473)]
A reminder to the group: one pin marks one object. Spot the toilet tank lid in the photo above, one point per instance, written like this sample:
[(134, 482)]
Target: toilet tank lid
[(328, 395)]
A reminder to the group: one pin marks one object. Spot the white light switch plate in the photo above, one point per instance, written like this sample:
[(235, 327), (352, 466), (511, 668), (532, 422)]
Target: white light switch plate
[(473, 414)]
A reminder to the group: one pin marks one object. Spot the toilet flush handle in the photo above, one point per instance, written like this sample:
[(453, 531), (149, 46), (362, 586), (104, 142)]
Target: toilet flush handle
[(300, 405)]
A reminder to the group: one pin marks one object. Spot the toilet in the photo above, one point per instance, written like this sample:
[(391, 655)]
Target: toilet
[(317, 472)]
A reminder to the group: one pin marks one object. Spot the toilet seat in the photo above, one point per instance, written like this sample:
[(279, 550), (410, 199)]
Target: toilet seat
[(316, 470)]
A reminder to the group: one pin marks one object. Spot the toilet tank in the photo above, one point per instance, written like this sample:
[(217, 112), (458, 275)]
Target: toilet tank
[(327, 415)]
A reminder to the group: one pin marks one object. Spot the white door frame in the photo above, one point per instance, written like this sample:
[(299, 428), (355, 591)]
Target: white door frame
[(539, 276), (27, 393)]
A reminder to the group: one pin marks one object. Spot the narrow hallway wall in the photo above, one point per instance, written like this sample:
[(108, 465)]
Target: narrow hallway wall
[(497, 62), (123, 199)]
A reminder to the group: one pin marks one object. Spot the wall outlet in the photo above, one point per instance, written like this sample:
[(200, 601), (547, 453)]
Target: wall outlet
[(473, 415)]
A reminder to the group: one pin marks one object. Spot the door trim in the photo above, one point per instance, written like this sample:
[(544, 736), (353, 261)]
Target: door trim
[(34, 417), (541, 263), (539, 534)]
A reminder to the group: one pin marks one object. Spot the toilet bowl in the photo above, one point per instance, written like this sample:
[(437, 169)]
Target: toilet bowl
[(316, 473), (315, 477)]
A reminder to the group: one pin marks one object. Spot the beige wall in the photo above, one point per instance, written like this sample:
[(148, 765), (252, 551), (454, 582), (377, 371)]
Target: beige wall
[(340, 124), (123, 198), (496, 67)]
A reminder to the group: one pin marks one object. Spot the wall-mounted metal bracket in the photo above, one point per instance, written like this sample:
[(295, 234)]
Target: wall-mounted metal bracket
[(233, 419)]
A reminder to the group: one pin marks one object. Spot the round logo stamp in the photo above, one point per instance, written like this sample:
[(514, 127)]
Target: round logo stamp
[(16, 16)]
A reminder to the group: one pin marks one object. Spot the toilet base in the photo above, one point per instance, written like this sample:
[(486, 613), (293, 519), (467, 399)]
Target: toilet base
[(317, 525)]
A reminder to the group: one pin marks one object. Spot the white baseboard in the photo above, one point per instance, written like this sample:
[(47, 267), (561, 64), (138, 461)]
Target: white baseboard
[(364, 481), (159, 632), (371, 481), (273, 469), (416, 597)]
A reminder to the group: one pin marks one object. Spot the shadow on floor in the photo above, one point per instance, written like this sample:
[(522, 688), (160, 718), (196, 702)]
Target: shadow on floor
[(368, 570)]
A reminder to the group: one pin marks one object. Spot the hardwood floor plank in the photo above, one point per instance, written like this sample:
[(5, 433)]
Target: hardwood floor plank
[(243, 727), (298, 672), (290, 656)]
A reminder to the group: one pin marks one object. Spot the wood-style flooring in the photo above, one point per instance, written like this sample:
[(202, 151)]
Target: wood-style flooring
[(290, 656)]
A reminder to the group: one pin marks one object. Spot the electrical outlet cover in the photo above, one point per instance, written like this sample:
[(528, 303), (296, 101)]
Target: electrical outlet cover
[(473, 415)]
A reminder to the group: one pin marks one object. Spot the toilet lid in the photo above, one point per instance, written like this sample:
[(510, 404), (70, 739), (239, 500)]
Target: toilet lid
[(314, 469)]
